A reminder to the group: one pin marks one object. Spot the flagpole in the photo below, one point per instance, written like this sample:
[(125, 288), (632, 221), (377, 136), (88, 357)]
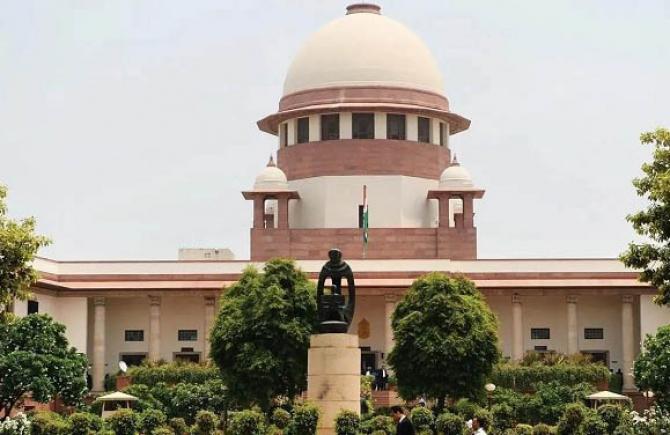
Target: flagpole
[(365, 221)]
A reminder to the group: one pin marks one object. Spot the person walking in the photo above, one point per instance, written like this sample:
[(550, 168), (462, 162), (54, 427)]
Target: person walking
[(477, 427), (403, 425)]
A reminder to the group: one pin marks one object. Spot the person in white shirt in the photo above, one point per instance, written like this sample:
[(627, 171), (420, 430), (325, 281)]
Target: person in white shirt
[(477, 428)]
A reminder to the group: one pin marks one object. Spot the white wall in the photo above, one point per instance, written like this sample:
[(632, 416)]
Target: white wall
[(122, 314), (601, 312), (652, 316), (370, 308), (70, 311), (332, 202)]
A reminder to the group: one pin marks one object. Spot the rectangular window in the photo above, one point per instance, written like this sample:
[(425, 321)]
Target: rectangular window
[(539, 334), (594, 333), (132, 359), (443, 133), (424, 129), (330, 127), (187, 335), (395, 127), (360, 216), (540, 348), (33, 307), (303, 130), (283, 134), (363, 125), (134, 335)]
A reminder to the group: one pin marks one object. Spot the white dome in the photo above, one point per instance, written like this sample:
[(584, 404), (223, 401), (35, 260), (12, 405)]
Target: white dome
[(363, 48), (455, 176), (271, 178)]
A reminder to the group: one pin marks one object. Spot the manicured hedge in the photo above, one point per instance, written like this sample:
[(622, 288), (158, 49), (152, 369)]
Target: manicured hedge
[(525, 378), (174, 373)]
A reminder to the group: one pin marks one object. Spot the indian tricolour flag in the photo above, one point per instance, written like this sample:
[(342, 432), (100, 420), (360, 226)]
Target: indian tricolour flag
[(366, 218)]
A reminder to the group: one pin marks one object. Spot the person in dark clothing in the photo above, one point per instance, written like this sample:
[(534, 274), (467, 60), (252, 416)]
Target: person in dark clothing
[(403, 425)]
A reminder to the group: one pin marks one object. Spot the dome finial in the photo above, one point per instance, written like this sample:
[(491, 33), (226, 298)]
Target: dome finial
[(454, 161), (363, 8), (271, 163)]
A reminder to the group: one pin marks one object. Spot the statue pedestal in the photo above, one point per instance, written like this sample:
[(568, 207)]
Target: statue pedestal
[(333, 377)]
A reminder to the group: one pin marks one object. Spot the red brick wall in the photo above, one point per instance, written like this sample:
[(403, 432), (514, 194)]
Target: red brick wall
[(384, 243), (363, 157)]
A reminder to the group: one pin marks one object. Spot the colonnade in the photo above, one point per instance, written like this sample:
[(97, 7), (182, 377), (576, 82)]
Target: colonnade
[(154, 353)]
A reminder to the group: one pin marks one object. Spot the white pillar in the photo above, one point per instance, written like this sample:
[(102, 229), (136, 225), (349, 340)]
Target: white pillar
[(210, 304), (573, 334), (380, 125), (154, 328), (98, 375), (345, 125), (412, 131), (627, 342), (389, 308), (517, 328)]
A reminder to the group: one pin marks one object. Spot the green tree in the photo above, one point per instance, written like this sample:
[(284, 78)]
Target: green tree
[(653, 223), (35, 357), (652, 367), (261, 335), (18, 246), (446, 340)]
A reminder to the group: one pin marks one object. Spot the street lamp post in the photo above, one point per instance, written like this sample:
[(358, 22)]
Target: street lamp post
[(647, 395), (490, 388)]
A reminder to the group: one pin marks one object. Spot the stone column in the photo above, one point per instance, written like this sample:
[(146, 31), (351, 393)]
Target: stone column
[(282, 212), (210, 307), (154, 328), (389, 307), (517, 328), (468, 211), (98, 375), (627, 342), (573, 333), (259, 212)]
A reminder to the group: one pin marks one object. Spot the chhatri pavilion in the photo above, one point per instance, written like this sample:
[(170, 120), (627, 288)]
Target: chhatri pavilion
[(364, 85)]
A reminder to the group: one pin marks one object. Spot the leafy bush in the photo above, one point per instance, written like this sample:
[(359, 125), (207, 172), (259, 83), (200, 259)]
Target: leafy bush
[(18, 425), (305, 419), (526, 378), (465, 408), (572, 419), (151, 374), (503, 416), (247, 422), (151, 419), (280, 418), (484, 417), (178, 426), (593, 425), (542, 429), (123, 422), (347, 422), (84, 423), (382, 423), (162, 431), (449, 424), (523, 429), (422, 418), (146, 399), (206, 423), (611, 415), (48, 423)]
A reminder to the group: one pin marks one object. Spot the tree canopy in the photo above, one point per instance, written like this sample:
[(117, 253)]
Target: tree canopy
[(18, 246), (262, 332), (446, 340), (35, 357), (653, 223), (652, 367)]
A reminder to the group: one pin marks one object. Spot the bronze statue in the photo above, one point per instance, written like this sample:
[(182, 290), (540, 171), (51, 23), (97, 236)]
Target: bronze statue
[(335, 314)]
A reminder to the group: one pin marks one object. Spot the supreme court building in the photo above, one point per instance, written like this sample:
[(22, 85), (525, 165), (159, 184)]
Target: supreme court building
[(363, 85)]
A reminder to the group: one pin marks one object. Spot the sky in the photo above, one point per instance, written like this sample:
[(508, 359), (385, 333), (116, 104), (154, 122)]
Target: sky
[(128, 128)]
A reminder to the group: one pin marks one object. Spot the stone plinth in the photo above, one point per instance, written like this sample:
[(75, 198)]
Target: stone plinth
[(333, 377)]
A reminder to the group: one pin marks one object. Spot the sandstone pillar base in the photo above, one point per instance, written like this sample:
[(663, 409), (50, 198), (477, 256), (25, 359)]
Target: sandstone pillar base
[(333, 377)]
